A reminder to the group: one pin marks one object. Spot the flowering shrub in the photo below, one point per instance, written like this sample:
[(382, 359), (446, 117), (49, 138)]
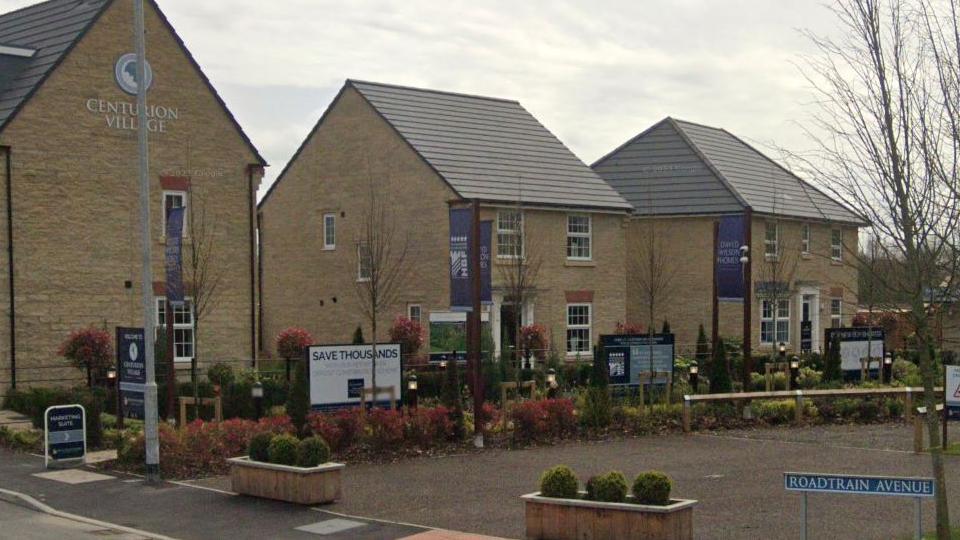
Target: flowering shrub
[(533, 420), (629, 328), (427, 427), (408, 333), (340, 429), (385, 428), (560, 417), (292, 341), (533, 338), (529, 420), (90, 349), (489, 414)]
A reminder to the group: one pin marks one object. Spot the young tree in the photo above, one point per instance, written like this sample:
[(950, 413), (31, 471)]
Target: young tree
[(358, 336), (703, 348), (381, 267), (651, 273), (777, 272), (517, 266), (887, 132), (719, 370), (202, 272)]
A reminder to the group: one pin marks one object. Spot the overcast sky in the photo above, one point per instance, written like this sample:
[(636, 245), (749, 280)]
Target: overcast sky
[(594, 72)]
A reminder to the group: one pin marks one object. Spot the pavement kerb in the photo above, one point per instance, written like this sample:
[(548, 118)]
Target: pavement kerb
[(41, 507)]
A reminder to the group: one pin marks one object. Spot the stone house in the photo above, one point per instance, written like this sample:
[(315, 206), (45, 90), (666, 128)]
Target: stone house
[(71, 240), (419, 150), (682, 178)]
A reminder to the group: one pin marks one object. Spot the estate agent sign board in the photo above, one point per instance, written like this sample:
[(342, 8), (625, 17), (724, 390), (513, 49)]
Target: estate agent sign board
[(952, 390), (64, 434), (132, 371), (628, 357), (338, 373), (854, 344)]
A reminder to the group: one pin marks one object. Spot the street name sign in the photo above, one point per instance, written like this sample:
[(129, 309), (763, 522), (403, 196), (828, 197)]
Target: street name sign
[(64, 434), (895, 486)]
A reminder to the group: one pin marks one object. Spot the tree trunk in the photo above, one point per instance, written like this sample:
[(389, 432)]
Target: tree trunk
[(373, 373)]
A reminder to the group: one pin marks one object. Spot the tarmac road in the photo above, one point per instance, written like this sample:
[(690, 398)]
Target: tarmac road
[(27, 524)]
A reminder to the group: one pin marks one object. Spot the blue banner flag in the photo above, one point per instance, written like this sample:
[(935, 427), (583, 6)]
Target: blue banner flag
[(461, 246), (729, 268), (173, 257)]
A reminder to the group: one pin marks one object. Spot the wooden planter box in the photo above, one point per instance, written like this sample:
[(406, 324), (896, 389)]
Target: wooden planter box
[(302, 485), (571, 519)]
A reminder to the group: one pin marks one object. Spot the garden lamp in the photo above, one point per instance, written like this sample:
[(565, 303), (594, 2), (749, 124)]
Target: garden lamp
[(887, 368), (111, 373), (551, 383), (694, 376), (256, 392), (794, 371), (783, 349), (412, 386)]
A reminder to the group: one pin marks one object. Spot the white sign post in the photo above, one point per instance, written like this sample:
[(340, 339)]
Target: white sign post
[(339, 373)]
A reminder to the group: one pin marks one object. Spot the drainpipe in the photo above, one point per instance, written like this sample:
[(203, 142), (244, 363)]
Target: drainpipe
[(7, 151), (253, 268)]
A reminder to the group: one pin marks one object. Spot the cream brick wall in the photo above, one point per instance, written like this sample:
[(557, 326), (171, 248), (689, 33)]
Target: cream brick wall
[(305, 285), (75, 200), (687, 243)]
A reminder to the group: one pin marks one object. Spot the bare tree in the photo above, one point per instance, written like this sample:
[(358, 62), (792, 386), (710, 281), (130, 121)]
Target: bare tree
[(887, 132), (201, 272), (381, 267), (517, 266), (652, 275), (777, 272)]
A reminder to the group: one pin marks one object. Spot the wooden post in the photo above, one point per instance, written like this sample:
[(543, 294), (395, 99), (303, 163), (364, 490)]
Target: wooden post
[(686, 414), (908, 404), (918, 433), (798, 414), (218, 408), (768, 377), (642, 401), (715, 328)]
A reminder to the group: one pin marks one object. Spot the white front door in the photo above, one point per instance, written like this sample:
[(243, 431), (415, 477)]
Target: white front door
[(809, 304)]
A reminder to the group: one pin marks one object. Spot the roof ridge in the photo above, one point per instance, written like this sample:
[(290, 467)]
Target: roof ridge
[(724, 181), (352, 82), (627, 143)]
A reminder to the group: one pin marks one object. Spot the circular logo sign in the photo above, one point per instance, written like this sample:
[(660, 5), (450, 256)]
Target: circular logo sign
[(126, 73), (134, 351)]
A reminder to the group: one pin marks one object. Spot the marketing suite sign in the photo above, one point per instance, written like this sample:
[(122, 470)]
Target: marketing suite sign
[(338, 373)]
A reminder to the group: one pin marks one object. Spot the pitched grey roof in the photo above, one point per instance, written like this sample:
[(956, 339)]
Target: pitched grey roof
[(489, 149), (678, 167), (52, 29)]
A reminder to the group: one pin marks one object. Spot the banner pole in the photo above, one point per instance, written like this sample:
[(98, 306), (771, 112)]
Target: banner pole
[(476, 325)]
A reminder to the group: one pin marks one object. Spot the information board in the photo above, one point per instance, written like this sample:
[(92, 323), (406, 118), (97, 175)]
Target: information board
[(64, 433), (338, 373), (952, 390), (629, 355), (131, 370), (855, 344)]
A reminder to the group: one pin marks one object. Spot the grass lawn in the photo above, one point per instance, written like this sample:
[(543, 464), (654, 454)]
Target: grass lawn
[(953, 450)]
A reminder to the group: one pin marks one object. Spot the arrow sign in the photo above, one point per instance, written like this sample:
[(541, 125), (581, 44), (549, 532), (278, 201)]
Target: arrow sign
[(64, 433)]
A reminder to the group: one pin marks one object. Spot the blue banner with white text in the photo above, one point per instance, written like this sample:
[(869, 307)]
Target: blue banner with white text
[(172, 252), (729, 268), (461, 246)]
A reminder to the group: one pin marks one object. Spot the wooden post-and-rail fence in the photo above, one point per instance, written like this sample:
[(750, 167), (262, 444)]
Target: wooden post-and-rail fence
[(908, 394)]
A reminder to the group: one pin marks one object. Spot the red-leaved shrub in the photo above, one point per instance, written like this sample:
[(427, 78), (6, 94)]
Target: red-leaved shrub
[(292, 341), (529, 420), (408, 333), (340, 429), (427, 427), (385, 428), (560, 417)]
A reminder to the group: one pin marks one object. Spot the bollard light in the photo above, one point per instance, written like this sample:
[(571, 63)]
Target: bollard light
[(111, 373), (794, 371), (552, 377), (694, 376), (256, 392), (887, 368), (412, 386), (783, 349), (412, 383)]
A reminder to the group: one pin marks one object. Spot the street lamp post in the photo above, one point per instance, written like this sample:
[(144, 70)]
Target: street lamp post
[(256, 392), (794, 371), (412, 388)]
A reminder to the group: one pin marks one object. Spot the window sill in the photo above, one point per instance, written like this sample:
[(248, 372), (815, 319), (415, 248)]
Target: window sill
[(363, 280), (806, 256), (835, 262), (330, 248), (580, 355), (580, 262)]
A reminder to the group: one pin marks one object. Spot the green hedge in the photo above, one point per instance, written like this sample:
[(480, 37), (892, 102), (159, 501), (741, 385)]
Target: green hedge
[(35, 401)]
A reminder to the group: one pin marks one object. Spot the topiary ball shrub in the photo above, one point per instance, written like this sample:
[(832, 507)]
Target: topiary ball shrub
[(608, 487), (312, 451), (259, 449), (652, 487), (559, 482), (283, 450)]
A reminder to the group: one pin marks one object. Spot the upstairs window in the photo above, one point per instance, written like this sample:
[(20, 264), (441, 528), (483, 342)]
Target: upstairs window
[(171, 200), (578, 237), (182, 328), (329, 231), (509, 234), (836, 245), (364, 263), (805, 238), (771, 239)]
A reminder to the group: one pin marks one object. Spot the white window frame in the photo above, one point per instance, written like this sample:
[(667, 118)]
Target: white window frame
[(805, 239), (780, 332), (184, 200), (360, 273), (836, 312), (587, 236), (419, 309), (183, 326), (775, 243), (518, 232), (329, 229), (579, 327), (836, 248)]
